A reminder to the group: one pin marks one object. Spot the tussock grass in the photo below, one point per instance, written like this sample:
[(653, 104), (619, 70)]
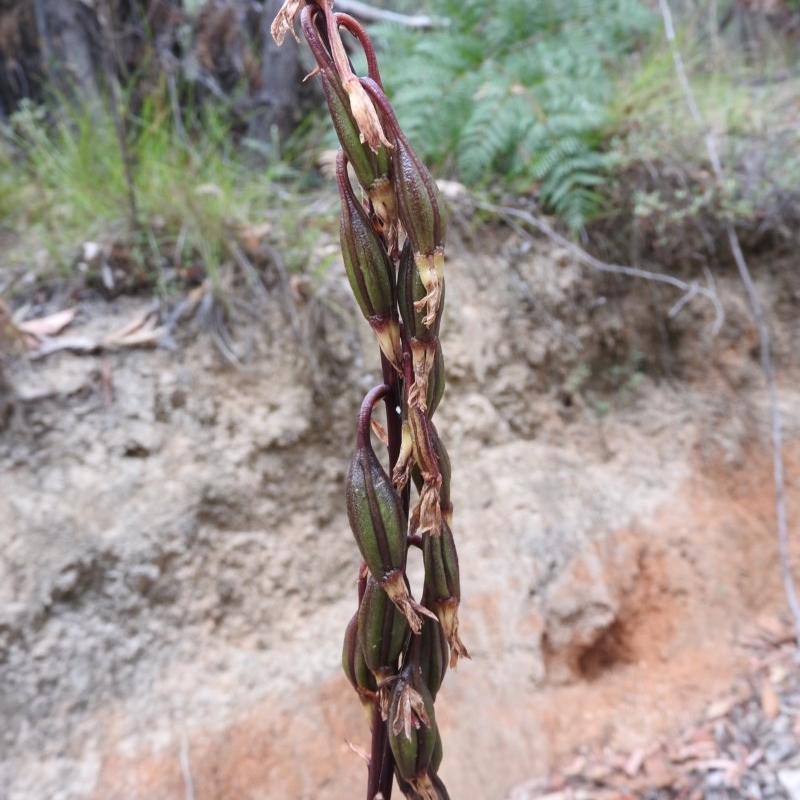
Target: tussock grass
[(63, 182)]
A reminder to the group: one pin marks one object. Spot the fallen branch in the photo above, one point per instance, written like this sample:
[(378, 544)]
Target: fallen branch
[(690, 289), (371, 14), (763, 331)]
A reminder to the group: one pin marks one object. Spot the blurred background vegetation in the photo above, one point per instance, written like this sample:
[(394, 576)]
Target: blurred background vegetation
[(174, 130)]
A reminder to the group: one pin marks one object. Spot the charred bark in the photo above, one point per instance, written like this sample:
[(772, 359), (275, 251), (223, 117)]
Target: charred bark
[(71, 49), (277, 107), (75, 50)]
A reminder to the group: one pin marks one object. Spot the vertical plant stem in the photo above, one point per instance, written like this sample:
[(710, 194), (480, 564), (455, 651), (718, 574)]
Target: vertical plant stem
[(379, 751), (394, 423), (381, 766)]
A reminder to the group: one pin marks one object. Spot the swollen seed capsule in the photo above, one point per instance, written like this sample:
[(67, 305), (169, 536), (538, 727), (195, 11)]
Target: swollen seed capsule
[(383, 631), (436, 382), (438, 753), (366, 261), (368, 268), (443, 586), (374, 507), (433, 656), (442, 577), (419, 207), (410, 295), (419, 202), (346, 129), (376, 516), (412, 727), (356, 670)]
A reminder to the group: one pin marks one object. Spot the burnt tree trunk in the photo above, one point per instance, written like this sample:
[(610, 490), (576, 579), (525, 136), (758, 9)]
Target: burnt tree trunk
[(70, 47), (74, 50), (277, 107)]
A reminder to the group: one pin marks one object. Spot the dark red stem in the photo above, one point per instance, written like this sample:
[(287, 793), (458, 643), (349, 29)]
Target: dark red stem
[(357, 29), (365, 414)]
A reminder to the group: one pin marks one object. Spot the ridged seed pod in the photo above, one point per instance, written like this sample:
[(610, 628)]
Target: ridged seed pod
[(410, 297), (383, 631), (436, 382), (443, 586), (438, 753), (368, 268), (419, 201), (356, 669), (444, 468), (359, 156), (434, 654), (423, 340), (412, 730), (374, 507), (376, 516), (419, 206)]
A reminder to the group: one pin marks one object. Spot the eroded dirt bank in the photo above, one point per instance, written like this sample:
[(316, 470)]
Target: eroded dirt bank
[(176, 568)]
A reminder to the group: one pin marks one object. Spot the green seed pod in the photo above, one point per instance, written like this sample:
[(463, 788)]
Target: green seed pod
[(374, 507), (438, 753), (376, 516), (358, 155), (355, 666), (345, 95), (419, 202), (419, 206), (434, 654), (366, 261), (368, 268), (443, 585), (423, 340), (436, 382), (444, 468), (356, 671), (440, 791), (383, 631), (410, 299), (442, 578), (412, 727)]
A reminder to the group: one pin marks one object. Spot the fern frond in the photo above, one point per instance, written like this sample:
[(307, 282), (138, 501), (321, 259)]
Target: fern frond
[(517, 88)]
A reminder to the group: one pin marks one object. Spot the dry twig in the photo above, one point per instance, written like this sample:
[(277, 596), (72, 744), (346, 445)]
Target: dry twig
[(371, 14), (690, 290), (760, 321)]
